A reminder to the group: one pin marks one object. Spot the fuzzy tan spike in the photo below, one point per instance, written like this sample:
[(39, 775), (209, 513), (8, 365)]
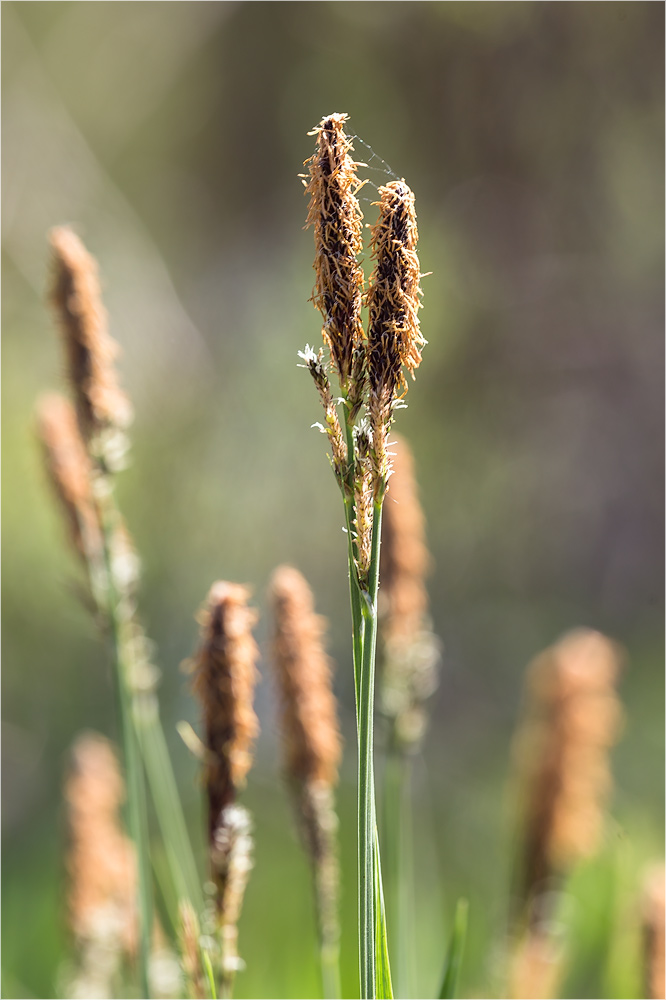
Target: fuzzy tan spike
[(224, 679), (101, 865), (393, 298), (573, 718), (91, 352), (311, 739), (310, 727), (69, 470), (410, 650), (335, 213)]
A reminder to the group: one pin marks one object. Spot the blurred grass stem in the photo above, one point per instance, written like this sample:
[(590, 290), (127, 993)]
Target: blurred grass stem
[(136, 796)]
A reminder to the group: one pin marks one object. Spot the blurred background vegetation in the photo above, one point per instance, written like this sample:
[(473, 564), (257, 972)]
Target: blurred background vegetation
[(171, 136)]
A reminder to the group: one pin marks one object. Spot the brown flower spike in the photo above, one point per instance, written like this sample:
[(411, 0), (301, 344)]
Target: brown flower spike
[(409, 647), (393, 297), (573, 718), (224, 679), (100, 403), (101, 861), (311, 738), (335, 213), (309, 723), (69, 469)]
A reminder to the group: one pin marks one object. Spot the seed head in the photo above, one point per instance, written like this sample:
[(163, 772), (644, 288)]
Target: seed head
[(309, 722), (69, 470), (224, 678), (101, 860), (405, 560), (101, 405), (394, 337), (363, 498), (573, 718), (410, 649), (314, 362), (335, 213)]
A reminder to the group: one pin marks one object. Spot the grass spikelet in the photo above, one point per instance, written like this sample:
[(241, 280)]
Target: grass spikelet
[(101, 865), (573, 719), (224, 679), (310, 727), (393, 298), (654, 929), (312, 746), (101, 405), (410, 650), (69, 470), (315, 364), (335, 213)]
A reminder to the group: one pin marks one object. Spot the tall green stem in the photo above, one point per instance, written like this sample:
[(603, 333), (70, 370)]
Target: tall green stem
[(397, 838), (136, 794)]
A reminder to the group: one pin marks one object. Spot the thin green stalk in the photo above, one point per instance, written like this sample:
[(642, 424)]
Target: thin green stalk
[(169, 810), (366, 790), (397, 838), (136, 794)]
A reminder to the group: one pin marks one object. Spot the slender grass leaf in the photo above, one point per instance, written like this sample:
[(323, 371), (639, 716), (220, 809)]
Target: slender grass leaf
[(454, 955), (383, 973)]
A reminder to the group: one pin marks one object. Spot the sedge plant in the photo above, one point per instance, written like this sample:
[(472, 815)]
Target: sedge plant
[(369, 367), (84, 443)]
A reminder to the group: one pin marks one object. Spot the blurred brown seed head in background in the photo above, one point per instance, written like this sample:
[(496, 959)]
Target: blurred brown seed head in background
[(309, 719), (573, 718), (90, 351), (225, 675), (101, 861), (405, 559), (410, 650), (69, 469)]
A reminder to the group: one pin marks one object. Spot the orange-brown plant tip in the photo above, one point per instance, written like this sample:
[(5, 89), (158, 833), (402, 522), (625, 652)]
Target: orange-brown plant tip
[(394, 337), (101, 860), (405, 559), (574, 717), (335, 213), (90, 350), (225, 678), (68, 468), (309, 720)]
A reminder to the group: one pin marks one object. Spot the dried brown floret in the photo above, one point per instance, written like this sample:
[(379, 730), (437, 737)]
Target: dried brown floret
[(309, 722), (311, 735), (393, 297), (101, 860), (405, 559), (100, 403), (314, 362), (335, 213), (410, 650), (69, 470), (573, 718), (225, 677), (363, 500)]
